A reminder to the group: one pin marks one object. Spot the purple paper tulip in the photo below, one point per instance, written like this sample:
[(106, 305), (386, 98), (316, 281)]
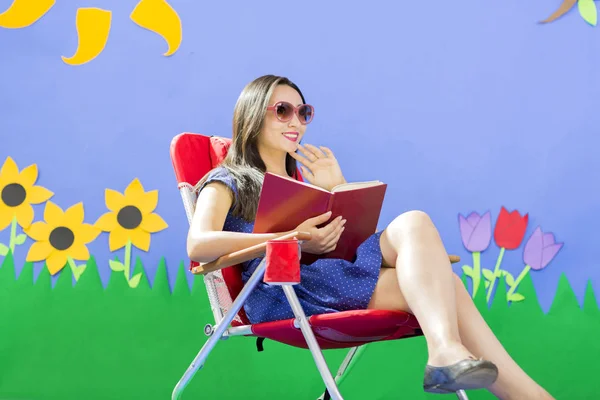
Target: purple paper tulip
[(540, 249), (476, 231)]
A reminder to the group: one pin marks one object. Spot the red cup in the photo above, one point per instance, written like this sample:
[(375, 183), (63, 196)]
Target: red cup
[(283, 263)]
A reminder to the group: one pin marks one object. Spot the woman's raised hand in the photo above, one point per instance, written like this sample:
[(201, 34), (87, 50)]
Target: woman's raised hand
[(323, 240), (319, 166)]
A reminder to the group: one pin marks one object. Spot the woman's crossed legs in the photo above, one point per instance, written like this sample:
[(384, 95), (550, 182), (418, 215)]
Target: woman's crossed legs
[(417, 277)]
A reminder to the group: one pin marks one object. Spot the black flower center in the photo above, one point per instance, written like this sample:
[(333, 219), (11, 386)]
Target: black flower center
[(61, 238), (129, 217), (13, 194)]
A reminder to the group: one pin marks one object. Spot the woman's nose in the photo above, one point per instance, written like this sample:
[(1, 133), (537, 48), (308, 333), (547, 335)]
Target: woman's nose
[(295, 121)]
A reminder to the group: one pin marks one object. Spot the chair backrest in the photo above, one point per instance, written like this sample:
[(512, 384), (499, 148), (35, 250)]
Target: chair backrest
[(193, 156)]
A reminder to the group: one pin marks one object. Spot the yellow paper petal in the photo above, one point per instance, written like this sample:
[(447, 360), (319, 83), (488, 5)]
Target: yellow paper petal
[(107, 222), (6, 215), (153, 223), (118, 238), (79, 252), (93, 27), (148, 202), (134, 190), (53, 214), (28, 176), (140, 239), (159, 17), (74, 216), (23, 13), (24, 215), (38, 194), (39, 251), (56, 261), (39, 231), (86, 233), (9, 170), (114, 200)]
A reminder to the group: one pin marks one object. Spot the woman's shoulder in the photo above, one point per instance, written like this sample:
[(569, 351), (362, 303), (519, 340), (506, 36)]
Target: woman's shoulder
[(222, 175), (219, 172)]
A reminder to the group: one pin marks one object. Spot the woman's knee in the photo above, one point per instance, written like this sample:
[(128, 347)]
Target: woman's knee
[(411, 222)]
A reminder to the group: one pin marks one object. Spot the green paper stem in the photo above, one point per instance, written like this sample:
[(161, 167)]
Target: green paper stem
[(77, 271), (496, 273), (518, 280), (476, 271), (13, 235), (127, 260)]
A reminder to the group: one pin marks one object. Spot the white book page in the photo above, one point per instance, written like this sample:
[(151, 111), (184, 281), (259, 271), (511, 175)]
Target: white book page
[(355, 185), (339, 188)]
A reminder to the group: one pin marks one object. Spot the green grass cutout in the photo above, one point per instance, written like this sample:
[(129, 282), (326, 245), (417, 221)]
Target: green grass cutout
[(85, 341)]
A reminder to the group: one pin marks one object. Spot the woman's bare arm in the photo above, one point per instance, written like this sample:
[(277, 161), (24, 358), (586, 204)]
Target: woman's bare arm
[(206, 239)]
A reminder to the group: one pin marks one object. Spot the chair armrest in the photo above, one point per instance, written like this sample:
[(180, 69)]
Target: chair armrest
[(258, 250), (240, 256)]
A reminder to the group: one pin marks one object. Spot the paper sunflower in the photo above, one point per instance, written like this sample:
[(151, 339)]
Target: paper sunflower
[(18, 193), (131, 218), (61, 238)]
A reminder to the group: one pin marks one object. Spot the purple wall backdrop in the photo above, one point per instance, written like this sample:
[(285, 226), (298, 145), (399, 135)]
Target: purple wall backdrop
[(460, 107)]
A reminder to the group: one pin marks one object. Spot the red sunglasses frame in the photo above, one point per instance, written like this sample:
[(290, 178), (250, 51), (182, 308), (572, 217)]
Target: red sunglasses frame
[(296, 111)]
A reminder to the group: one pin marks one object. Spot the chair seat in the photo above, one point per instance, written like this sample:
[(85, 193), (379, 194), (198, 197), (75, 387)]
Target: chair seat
[(343, 329)]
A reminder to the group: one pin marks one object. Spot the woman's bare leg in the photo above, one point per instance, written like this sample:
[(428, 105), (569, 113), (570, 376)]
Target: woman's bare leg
[(473, 331), (512, 382), (412, 244)]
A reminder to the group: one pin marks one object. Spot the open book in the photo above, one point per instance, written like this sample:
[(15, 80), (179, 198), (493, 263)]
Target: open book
[(285, 203)]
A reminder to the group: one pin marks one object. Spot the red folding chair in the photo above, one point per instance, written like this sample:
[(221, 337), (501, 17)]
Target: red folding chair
[(194, 155)]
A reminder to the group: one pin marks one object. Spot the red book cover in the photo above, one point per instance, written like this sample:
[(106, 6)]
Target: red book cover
[(285, 203)]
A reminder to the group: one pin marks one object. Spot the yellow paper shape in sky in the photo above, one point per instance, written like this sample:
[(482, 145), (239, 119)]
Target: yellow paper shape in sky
[(159, 17), (93, 27), (23, 13)]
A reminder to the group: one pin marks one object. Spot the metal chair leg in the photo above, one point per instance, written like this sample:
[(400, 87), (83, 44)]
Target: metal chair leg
[(462, 395), (219, 330), (346, 365), (351, 358), (313, 345)]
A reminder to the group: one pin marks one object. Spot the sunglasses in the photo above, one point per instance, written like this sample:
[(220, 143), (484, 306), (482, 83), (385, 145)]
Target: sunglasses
[(285, 112)]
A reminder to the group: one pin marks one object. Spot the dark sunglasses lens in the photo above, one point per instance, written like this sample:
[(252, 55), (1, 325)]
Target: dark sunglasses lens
[(306, 113), (284, 111)]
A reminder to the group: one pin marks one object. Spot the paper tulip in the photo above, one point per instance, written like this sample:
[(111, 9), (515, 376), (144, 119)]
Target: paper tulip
[(540, 249), (476, 231), (510, 229)]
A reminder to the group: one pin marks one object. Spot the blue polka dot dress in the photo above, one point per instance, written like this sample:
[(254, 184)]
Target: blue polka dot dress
[(327, 285)]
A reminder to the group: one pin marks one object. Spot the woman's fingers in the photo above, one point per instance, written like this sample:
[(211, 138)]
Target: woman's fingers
[(307, 174), (300, 159), (332, 237), (304, 167), (307, 152), (333, 243), (312, 151), (327, 151), (330, 229)]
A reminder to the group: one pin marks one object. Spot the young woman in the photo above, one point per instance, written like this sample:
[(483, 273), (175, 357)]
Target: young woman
[(404, 267)]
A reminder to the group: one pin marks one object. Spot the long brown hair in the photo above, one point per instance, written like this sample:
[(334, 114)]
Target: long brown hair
[(243, 160)]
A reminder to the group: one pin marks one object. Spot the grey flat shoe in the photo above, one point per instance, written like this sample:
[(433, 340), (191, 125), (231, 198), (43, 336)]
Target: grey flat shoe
[(465, 374)]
